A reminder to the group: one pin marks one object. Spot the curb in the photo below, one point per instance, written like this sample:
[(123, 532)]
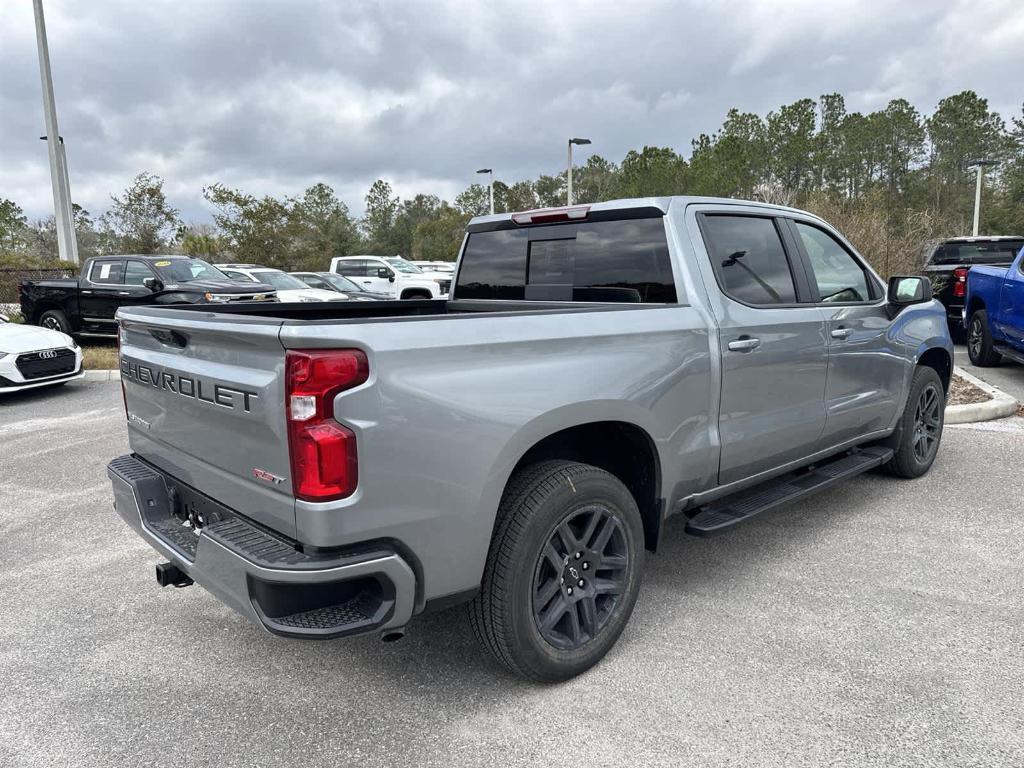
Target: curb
[(103, 374), (1000, 406)]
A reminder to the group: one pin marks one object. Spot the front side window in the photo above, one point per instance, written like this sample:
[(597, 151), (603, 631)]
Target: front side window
[(135, 273), (749, 260), (107, 272), (403, 266), (838, 276)]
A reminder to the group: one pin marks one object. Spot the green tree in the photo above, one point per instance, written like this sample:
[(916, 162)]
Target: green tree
[(440, 237), (475, 200), (596, 181), (651, 172), (410, 214), (202, 241), (379, 220), (141, 220), (322, 227), (258, 230), (13, 227)]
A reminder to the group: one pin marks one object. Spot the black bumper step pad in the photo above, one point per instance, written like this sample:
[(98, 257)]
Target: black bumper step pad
[(721, 515)]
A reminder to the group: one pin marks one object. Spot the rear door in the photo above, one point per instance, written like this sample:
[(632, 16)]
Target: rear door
[(773, 345), (865, 369), (101, 293), (205, 402)]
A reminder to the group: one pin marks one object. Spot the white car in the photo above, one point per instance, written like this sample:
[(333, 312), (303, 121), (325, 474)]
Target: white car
[(394, 276), (288, 288), (32, 357)]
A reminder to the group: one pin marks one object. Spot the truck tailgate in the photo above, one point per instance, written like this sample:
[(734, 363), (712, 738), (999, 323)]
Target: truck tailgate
[(205, 402)]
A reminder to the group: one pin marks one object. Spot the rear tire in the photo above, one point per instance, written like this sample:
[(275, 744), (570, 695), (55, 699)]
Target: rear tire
[(55, 320), (979, 341), (919, 431), (563, 571), (411, 295)]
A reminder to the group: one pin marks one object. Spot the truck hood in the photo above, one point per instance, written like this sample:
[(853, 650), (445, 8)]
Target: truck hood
[(219, 286), (15, 338), (311, 294)]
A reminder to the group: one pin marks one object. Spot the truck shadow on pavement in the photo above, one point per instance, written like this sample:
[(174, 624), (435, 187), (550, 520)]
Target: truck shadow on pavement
[(440, 648)]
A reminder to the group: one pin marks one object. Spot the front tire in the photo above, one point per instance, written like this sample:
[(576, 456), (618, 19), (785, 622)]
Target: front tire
[(563, 571), (979, 341), (919, 431), (55, 320)]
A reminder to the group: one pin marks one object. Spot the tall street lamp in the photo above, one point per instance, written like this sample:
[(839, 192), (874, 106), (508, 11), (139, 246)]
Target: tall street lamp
[(67, 246), (568, 193), (980, 165), (490, 185)]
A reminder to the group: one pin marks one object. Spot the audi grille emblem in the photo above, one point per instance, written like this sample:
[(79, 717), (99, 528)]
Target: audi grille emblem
[(48, 354)]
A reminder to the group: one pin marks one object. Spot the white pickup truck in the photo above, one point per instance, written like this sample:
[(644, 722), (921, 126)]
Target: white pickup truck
[(394, 276)]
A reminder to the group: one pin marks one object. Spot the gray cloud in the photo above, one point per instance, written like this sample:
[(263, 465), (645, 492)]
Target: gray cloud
[(273, 96)]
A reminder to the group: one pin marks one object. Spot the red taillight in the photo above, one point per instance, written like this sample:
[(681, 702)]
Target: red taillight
[(323, 452), (960, 282), (548, 215)]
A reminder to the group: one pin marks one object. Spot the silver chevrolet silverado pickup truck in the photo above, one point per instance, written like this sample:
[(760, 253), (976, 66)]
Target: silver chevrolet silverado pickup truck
[(332, 469)]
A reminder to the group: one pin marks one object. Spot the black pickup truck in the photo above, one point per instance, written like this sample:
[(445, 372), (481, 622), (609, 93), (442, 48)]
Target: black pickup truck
[(948, 263), (85, 305)]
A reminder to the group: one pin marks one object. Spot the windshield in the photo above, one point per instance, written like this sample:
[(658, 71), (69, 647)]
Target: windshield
[(997, 252), (403, 266), (187, 270), (343, 284), (282, 281)]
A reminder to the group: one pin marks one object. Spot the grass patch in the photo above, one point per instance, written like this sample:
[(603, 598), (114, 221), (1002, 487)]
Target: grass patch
[(99, 358)]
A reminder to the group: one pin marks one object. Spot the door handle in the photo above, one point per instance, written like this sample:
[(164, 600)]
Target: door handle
[(88, 292), (744, 344), (841, 333), (124, 293)]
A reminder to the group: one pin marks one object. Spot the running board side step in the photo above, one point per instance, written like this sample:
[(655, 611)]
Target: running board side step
[(723, 514)]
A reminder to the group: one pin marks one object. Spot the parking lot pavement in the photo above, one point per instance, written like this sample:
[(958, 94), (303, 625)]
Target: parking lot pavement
[(880, 623), (1007, 376)]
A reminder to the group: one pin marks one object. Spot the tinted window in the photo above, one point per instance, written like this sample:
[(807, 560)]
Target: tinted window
[(749, 260), (355, 267), (997, 252), (107, 272), (838, 275), (136, 272), (618, 261)]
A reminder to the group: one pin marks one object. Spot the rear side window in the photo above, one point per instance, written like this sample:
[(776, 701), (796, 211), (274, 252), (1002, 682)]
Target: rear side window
[(600, 261), (749, 260), (356, 267), (111, 272)]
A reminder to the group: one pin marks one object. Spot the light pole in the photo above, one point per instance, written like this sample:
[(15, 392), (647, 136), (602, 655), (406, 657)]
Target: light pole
[(980, 165), (568, 189), (67, 246), (490, 185)]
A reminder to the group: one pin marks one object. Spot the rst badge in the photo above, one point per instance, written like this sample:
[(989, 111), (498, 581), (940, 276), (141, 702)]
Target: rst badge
[(267, 477)]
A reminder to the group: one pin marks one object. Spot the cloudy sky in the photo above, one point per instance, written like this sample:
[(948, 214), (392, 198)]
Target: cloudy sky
[(273, 96)]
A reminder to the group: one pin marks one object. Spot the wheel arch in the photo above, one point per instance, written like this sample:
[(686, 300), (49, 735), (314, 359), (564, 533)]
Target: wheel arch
[(622, 448), (415, 293), (973, 305), (938, 359)]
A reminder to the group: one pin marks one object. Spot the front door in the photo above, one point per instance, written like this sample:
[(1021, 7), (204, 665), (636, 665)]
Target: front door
[(1010, 318), (773, 347), (372, 280), (865, 369)]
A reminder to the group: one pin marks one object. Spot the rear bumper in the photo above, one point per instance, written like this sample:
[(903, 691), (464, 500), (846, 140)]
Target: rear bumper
[(266, 578)]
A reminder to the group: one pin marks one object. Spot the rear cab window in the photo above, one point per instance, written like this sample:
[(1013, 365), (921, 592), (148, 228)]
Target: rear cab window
[(979, 252), (616, 260)]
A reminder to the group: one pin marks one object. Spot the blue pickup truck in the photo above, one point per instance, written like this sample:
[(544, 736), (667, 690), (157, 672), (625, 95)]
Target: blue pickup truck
[(994, 313)]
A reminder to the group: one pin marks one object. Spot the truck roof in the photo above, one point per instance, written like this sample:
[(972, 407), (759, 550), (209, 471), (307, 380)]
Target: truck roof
[(661, 203), (981, 238)]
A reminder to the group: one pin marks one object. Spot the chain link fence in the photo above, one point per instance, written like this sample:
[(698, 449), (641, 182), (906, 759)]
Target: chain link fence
[(10, 285)]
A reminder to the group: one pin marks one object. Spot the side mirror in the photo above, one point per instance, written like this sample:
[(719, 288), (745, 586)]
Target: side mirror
[(385, 274), (904, 291), (153, 284)]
